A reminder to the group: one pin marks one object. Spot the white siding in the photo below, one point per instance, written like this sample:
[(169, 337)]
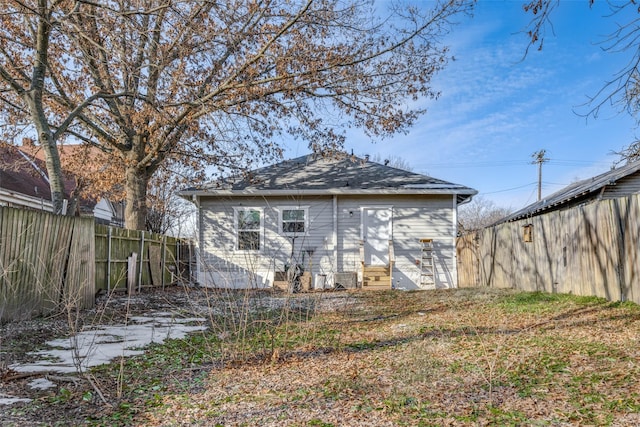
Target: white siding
[(424, 218), (13, 199), (414, 218), (103, 210), (223, 266)]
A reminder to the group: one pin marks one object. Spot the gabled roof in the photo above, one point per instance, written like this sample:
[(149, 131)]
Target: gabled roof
[(576, 192), (23, 171), (335, 174), (22, 174)]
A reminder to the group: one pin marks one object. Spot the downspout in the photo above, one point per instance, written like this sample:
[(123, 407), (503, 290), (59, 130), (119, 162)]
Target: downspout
[(196, 201), (334, 237), (455, 236), (44, 176), (35, 166)]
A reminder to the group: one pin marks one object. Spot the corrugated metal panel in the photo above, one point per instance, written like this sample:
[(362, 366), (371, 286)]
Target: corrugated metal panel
[(581, 191), (623, 187)]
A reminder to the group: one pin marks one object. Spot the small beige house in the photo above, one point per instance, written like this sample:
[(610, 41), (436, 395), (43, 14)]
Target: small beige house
[(339, 220)]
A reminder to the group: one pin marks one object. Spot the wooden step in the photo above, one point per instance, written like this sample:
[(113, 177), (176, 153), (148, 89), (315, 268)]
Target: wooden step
[(376, 269), (376, 277), (374, 286)]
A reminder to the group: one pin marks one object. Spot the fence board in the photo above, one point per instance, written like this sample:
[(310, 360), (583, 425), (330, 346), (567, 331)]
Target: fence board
[(35, 253), (591, 249), (51, 262), (159, 258)]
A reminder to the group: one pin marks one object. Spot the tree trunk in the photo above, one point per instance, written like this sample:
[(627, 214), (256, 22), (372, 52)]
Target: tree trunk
[(135, 210), (51, 154), (54, 172), (34, 99)]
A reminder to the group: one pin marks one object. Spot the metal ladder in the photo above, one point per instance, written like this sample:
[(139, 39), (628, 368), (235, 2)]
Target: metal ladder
[(427, 264)]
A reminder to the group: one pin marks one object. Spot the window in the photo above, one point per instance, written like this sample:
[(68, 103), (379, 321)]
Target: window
[(249, 228), (293, 220)]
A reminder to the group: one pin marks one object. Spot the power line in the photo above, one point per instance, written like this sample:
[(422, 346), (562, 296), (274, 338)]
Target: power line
[(509, 189), (491, 164)]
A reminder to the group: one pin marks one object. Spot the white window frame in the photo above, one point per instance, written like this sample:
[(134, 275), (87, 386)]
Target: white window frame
[(236, 230), (281, 210)]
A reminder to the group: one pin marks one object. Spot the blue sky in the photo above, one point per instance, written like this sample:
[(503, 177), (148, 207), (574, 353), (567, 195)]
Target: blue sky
[(497, 109)]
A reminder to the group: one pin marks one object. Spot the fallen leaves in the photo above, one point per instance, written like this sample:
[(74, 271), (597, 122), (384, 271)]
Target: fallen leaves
[(459, 357)]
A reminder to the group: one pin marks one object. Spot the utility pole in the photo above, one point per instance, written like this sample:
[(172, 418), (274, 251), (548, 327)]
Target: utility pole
[(539, 158)]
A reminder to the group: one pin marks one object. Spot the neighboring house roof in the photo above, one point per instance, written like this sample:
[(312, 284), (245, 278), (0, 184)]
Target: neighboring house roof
[(335, 174), (22, 174), (581, 191), (23, 171)]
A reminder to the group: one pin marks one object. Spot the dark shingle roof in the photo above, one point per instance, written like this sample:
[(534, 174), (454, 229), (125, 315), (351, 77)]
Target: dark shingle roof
[(25, 172), (23, 175), (339, 173), (575, 192)]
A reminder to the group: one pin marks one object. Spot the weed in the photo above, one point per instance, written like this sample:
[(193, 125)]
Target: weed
[(540, 302), (316, 422), (63, 396), (466, 359), (501, 417), (401, 403), (362, 345)]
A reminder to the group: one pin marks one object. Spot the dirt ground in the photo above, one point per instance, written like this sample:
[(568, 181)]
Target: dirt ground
[(459, 357), (19, 340)]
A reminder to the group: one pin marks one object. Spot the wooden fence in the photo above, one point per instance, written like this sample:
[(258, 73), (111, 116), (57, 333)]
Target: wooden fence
[(159, 260), (50, 262), (46, 263), (593, 249)]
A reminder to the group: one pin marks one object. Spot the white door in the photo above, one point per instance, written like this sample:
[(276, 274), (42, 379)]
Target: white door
[(376, 234)]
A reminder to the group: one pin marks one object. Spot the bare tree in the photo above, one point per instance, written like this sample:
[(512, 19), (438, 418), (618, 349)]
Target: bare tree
[(629, 153), (29, 38), (623, 89), (222, 82), (167, 212), (479, 213), (393, 161)]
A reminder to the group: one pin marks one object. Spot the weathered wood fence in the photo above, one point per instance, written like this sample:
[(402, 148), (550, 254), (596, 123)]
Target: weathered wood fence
[(159, 260), (46, 263), (593, 249), (50, 262)]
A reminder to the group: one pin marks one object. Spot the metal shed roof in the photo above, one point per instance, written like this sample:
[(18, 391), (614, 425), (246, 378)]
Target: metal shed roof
[(579, 190)]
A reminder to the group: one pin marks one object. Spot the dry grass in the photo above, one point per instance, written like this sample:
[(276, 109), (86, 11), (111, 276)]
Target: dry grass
[(465, 357), (459, 357)]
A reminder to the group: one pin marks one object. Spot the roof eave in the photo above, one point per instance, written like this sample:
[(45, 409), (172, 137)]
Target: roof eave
[(550, 206), (188, 194)]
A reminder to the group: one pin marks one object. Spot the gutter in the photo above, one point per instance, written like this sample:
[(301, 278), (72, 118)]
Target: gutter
[(188, 194), (35, 166)]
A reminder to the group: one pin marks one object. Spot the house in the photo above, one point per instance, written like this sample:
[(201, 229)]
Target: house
[(618, 182), (24, 183), (339, 220)]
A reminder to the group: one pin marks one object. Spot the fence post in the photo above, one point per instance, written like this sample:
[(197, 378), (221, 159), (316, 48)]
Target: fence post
[(164, 255), (109, 260), (131, 273), (190, 275), (177, 257), (141, 261)]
